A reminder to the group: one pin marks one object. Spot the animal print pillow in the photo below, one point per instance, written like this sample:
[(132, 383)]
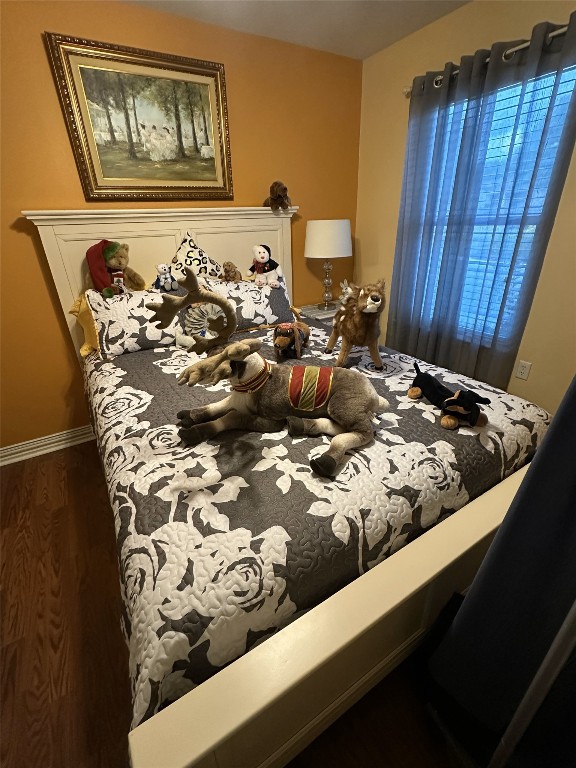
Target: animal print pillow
[(189, 254)]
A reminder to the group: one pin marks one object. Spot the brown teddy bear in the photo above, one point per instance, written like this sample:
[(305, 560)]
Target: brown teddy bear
[(278, 196), (231, 273), (108, 270)]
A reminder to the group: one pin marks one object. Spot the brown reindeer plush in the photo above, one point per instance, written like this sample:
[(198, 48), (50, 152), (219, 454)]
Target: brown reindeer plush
[(290, 339), (357, 321), (311, 400)]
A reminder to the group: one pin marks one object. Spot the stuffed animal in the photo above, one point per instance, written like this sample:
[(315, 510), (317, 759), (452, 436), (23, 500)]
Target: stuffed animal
[(278, 197), (108, 270), (264, 269), (357, 321), (290, 339), (457, 407), (165, 281), (306, 399), (231, 273), (266, 398), (221, 325), (347, 291)]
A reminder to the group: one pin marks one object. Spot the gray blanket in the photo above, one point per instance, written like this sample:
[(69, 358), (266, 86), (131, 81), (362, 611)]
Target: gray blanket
[(224, 543)]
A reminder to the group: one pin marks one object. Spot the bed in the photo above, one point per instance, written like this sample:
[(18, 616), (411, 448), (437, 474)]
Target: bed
[(261, 600)]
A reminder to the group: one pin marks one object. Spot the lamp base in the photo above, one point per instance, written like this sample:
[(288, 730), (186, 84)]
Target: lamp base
[(326, 306)]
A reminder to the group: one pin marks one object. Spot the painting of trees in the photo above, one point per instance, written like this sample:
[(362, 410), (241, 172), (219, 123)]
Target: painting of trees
[(143, 124), (128, 95)]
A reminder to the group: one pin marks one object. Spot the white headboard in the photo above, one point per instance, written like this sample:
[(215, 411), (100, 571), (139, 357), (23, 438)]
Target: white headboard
[(226, 234)]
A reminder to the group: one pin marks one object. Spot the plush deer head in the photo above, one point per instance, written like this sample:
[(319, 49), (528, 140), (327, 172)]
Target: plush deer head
[(218, 366)]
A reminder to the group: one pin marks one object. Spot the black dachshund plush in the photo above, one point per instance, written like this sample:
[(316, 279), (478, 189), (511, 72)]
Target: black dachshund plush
[(457, 407)]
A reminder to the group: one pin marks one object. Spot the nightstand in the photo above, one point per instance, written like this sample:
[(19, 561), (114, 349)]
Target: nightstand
[(315, 312)]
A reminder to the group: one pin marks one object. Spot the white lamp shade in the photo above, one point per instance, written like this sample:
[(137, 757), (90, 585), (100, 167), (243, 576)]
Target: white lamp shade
[(328, 239)]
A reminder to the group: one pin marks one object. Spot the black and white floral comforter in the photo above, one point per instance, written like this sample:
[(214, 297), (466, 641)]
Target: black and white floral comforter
[(221, 544)]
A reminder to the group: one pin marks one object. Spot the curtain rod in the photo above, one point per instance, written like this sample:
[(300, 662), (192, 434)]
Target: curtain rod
[(506, 56)]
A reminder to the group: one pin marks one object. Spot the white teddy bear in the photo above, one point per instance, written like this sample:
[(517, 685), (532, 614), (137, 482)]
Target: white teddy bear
[(165, 280), (264, 269)]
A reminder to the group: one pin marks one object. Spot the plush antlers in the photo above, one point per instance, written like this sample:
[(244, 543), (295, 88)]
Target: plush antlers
[(213, 369), (166, 311)]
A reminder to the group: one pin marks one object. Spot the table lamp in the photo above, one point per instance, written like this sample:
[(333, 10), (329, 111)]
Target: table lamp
[(328, 239)]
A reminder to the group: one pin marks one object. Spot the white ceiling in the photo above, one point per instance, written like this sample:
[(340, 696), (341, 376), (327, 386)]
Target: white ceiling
[(354, 28)]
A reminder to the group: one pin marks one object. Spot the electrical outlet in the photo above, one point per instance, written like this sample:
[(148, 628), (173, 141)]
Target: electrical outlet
[(523, 369)]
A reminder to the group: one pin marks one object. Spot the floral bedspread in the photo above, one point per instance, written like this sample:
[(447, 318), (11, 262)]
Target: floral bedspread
[(222, 544)]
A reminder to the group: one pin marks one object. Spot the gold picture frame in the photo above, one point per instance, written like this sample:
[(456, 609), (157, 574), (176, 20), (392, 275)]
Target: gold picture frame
[(143, 125)]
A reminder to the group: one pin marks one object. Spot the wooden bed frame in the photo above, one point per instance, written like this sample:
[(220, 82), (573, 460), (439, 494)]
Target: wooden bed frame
[(262, 709)]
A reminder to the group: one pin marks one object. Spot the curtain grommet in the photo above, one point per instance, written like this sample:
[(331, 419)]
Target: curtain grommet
[(438, 81)]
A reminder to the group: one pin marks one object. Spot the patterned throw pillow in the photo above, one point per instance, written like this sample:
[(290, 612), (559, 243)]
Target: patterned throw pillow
[(123, 323), (191, 255), (256, 307)]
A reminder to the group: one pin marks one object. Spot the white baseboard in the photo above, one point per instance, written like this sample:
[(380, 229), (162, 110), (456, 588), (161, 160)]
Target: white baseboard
[(41, 445)]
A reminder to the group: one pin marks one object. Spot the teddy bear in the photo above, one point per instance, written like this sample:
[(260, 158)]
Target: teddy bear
[(278, 196), (165, 280), (264, 270), (108, 270), (231, 273)]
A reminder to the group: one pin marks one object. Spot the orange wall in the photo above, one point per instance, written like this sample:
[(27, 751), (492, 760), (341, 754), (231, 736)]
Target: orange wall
[(294, 114)]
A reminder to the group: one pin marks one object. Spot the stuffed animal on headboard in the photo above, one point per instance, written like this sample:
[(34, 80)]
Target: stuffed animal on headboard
[(108, 270), (264, 270), (460, 407), (278, 197)]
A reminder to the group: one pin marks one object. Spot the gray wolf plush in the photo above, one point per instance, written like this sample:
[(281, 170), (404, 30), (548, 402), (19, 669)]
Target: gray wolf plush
[(310, 400)]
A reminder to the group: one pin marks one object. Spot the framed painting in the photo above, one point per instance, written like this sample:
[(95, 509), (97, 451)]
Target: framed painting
[(143, 125)]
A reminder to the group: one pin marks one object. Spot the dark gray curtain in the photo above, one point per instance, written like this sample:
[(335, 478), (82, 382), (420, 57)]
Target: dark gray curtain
[(506, 624), (489, 145)]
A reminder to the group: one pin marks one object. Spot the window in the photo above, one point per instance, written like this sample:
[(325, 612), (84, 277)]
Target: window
[(499, 235)]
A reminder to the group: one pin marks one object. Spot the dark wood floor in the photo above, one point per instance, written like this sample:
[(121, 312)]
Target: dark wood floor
[(65, 696)]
